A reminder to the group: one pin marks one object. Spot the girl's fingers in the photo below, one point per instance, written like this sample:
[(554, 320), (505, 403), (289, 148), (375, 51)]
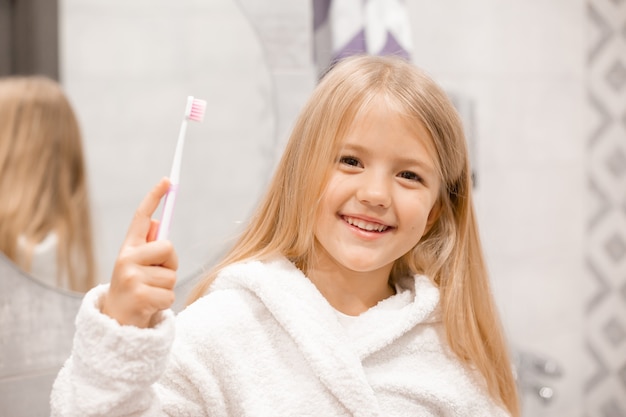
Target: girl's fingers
[(157, 253), (171, 261), (157, 276), (137, 309), (161, 298), (141, 224), (145, 270)]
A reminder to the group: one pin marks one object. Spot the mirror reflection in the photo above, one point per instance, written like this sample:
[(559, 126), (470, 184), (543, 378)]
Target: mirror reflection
[(129, 68), (45, 216)]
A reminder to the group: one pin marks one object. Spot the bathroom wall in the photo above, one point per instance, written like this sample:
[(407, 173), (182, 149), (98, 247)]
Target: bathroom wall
[(521, 64), (522, 69)]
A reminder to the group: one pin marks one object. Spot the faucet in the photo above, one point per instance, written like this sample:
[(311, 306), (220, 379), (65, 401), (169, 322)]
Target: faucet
[(530, 369)]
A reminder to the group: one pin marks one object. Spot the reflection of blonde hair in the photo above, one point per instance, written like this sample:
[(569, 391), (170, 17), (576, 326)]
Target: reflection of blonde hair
[(450, 253), (42, 177)]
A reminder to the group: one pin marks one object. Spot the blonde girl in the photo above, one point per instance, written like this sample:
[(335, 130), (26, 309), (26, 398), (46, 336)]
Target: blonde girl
[(45, 225), (450, 253), (357, 288)]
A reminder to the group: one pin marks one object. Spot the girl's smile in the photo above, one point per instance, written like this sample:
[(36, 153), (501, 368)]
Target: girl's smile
[(368, 226)]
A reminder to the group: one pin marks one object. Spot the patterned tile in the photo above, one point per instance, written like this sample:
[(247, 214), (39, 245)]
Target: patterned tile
[(615, 332), (600, 370), (600, 31), (622, 374), (611, 408), (615, 247), (605, 387), (600, 203), (616, 163), (602, 288), (602, 115), (616, 76)]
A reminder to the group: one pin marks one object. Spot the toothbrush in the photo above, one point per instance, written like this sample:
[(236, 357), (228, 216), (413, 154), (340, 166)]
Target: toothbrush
[(193, 111)]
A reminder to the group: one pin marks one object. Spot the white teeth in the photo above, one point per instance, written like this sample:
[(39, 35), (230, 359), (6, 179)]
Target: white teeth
[(362, 224)]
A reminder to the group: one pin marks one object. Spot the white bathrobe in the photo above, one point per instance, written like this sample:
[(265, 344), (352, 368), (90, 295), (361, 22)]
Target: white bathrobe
[(265, 342)]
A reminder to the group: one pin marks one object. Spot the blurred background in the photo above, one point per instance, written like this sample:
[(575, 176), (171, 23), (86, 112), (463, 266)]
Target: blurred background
[(540, 85)]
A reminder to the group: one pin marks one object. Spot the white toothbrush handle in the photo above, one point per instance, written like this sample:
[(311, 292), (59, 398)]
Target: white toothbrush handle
[(168, 211), (170, 198)]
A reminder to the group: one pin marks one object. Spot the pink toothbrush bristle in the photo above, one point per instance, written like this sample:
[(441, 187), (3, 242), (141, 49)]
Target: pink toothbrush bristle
[(197, 110)]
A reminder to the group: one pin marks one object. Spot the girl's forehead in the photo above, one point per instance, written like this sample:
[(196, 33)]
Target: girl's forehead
[(382, 111), (393, 116)]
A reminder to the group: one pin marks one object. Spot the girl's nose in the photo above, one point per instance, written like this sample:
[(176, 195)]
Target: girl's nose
[(374, 190)]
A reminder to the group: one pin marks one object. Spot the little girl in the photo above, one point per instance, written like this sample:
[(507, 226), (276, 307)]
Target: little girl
[(45, 218), (358, 288)]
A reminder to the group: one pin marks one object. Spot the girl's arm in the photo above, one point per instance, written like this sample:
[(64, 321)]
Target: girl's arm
[(112, 367), (124, 331)]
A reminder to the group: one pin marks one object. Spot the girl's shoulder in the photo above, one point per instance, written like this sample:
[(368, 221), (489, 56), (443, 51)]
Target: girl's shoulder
[(235, 309), (254, 268), (236, 289)]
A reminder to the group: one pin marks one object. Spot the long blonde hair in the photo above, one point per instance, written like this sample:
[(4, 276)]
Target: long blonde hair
[(450, 252), (43, 185)]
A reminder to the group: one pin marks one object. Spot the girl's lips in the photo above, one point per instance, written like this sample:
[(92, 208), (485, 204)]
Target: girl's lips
[(366, 224)]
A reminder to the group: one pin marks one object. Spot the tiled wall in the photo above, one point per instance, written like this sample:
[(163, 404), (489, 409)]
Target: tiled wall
[(605, 221), (520, 65)]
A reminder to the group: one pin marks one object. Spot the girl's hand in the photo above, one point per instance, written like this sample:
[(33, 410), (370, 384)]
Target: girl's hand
[(145, 270)]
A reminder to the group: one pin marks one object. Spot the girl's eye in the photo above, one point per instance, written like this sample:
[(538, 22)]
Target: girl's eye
[(411, 176), (350, 160)]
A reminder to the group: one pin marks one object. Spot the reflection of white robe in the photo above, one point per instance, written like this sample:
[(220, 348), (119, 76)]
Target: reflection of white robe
[(264, 342), (44, 261)]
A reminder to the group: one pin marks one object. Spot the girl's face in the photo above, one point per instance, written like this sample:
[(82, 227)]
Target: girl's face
[(381, 194)]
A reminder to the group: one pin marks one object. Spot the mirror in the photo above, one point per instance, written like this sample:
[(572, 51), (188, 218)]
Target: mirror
[(128, 68)]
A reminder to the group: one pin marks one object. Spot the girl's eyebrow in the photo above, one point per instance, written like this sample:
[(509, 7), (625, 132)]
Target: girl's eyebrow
[(423, 163)]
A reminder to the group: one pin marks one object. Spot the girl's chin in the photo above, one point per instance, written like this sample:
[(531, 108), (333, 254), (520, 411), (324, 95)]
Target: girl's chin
[(364, 265)]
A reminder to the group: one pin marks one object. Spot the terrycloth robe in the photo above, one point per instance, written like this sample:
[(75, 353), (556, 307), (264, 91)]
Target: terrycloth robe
[(264, 342)]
